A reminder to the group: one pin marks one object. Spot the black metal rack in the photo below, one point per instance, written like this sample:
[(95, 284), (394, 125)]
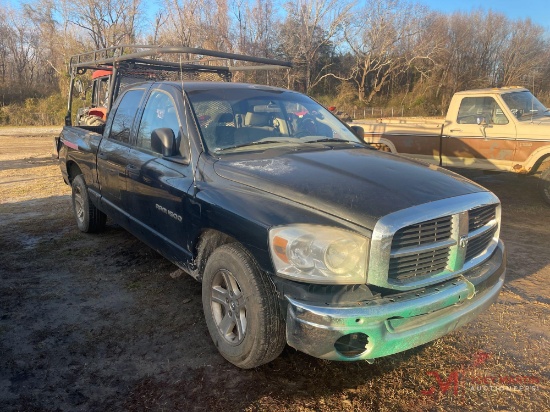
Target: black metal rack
[(157, 63)]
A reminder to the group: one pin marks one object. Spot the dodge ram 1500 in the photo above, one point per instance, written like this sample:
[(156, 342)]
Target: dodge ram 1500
[(299, 231)]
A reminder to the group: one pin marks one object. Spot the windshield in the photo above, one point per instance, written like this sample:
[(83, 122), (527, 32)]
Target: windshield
[(238, 119), (524, 105)]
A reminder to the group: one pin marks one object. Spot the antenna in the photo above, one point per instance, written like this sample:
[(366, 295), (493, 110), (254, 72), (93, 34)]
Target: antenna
[(533, 98), (535, 71)]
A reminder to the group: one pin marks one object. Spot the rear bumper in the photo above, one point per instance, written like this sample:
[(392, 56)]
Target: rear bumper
[(398, 322)]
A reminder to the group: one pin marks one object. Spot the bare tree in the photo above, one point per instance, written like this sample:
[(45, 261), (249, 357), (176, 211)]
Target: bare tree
[(383, 39), (524, 54), (202, 23), (480, 49), (256, 32), (19, 50), (378, 50), (309, 33), (159, 20), (107, 22), (256, 27)]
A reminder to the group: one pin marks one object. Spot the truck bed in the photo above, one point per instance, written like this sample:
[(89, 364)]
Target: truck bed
[(78, 145), (409, 126)]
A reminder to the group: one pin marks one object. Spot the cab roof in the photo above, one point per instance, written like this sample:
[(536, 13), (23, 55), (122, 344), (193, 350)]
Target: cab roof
[(495, 90)]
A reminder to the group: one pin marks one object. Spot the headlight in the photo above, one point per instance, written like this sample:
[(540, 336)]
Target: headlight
[(319, 254)]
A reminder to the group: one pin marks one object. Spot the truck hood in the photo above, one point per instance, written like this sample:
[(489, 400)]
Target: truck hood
[(357, 184)]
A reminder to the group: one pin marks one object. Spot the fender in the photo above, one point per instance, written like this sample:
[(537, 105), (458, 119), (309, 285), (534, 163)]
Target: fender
[(533, 158), (370, 138)]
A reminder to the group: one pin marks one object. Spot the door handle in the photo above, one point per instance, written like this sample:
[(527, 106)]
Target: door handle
[(132, 171), (102, 155), (455, 130)]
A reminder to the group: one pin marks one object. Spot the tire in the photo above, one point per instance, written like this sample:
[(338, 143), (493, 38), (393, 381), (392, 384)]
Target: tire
[(241, 308), (89, 219), (91, 120), (544, 185)]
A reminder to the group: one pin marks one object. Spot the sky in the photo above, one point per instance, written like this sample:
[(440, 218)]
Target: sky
[(537, 10)]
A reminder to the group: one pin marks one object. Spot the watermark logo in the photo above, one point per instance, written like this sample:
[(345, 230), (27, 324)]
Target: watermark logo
[(470, 378), (444, 386)]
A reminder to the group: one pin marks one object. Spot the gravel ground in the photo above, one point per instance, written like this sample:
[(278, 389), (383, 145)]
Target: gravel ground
[(102, 322)]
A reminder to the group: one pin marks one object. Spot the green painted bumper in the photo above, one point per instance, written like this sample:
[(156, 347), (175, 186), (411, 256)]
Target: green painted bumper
[(399, 322)]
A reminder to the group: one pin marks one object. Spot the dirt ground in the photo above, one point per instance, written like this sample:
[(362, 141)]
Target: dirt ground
[(103, 323)]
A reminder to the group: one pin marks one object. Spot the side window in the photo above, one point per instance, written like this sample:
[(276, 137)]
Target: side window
[(474, 108), (160, 111), (124, 116)]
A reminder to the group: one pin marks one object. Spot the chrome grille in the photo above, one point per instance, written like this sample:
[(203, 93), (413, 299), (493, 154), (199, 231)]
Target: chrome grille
[(422, 233), (481, 230), (479, 244), (419, 264), (433, 242), (480, 216), (425, 248), (421, 249)]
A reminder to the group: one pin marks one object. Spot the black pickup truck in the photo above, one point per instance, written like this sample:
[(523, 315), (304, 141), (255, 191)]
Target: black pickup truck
[(299, 232)]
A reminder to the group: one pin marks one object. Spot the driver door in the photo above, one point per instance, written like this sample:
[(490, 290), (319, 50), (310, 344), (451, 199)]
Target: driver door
[(158, 198), (481, 137)]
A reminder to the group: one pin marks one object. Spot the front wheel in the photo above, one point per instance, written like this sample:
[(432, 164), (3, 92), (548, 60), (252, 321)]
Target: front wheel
[(89, 219), (544, 185), (241, 308)]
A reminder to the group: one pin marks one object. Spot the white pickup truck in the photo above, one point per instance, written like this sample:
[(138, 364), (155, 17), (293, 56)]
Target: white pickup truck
[(504, 129)]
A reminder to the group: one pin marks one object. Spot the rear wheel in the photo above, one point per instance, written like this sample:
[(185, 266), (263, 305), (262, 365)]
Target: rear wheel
[(544, 185), (241, 308), (89, 219)]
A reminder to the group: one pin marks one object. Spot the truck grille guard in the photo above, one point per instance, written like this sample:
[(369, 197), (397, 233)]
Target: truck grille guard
[(434, 242)]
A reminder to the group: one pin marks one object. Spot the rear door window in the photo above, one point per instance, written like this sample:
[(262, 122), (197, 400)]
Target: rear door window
[(125, 114)]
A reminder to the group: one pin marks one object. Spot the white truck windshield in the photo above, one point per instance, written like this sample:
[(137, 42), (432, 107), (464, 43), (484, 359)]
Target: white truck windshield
[(524, 105)]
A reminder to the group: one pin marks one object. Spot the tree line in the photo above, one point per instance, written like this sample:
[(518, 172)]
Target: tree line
[(357, 54)]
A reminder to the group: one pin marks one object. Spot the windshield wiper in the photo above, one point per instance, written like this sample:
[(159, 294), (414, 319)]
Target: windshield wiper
[(253, 144), (329, 139)]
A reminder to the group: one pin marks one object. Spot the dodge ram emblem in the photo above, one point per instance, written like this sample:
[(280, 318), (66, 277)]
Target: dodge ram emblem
[(463, 241)]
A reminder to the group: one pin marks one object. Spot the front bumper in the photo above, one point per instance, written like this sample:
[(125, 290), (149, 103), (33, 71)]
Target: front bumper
[(398, 322)]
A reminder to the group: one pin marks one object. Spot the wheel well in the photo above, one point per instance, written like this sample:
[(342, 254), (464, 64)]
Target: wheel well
[(208, 241), (542, 164), (73, 171), (382, 147)]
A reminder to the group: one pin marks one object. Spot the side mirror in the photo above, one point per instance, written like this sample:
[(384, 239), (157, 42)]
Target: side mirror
[(481, 121), (163, 141), (359, 132)]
